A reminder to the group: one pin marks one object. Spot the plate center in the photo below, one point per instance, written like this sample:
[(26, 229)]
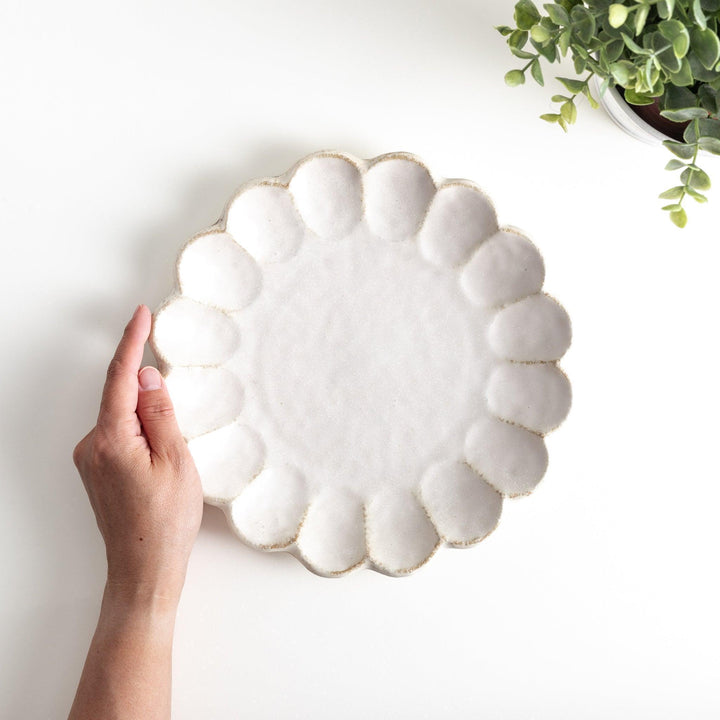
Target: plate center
[(371, 361)]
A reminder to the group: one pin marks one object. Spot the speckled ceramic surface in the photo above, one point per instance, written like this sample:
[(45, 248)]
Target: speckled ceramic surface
[(363, 362)]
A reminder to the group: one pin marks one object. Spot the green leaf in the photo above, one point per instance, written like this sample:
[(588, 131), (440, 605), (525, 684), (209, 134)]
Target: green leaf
[(710, 99), (697, 179), (536, 72), (698, 14), (557, 13), (641, 18), (514, 78), (640, 87), (596, 68), (614, 49), (681, 44), (522, 54), (559, 98), (504, 30), (582, 22), (684, 114), (684, 76), (695, 195), (623, 71), (569, 112), (679, 217), (539, 33), (706, 46), (517, 39), (548, 51), (673, 206), (658, 86), (632, 45), (550, 117), (526, 14), (665, 8), (670, 29), (617, 15), (664, 52), (603, 57), (682, 150), (649, 67), (711, 145), (564, 41), (673, 193), (667, 61), (699, 71), (678, 98), (674, 164), (574, 86), (636, 98), (593, 102), (709, 128), (581, 51), (579, 64)]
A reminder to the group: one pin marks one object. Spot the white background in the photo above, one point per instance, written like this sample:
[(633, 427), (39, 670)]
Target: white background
[(123, 129)]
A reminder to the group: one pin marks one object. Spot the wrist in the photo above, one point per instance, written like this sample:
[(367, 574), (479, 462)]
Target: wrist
[(128, 599), (142, 583)]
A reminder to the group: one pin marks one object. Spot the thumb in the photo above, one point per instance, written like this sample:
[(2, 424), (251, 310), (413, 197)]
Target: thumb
[(156, 413)]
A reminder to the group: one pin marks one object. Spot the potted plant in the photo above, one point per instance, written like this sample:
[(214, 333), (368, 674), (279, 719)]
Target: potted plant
[(663, 54)]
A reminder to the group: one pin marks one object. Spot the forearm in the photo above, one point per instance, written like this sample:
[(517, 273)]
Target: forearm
[(128, 671), (147, 498)]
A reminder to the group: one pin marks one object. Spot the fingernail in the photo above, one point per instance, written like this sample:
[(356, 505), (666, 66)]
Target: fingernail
[(150, 379)]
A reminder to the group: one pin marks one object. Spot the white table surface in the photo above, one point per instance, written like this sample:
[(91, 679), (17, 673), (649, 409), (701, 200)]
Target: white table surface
[(123, 130)]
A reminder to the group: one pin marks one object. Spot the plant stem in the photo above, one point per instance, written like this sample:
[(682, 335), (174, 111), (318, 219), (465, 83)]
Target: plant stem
[(585, 82)]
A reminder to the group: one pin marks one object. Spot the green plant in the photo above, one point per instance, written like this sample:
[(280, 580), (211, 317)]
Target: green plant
[(664, 51)]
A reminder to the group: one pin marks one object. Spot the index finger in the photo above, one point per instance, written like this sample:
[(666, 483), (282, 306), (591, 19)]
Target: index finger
[(120, 394)]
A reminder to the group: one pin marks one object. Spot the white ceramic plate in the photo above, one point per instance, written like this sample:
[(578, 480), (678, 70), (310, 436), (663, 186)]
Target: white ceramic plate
[(363, 363)]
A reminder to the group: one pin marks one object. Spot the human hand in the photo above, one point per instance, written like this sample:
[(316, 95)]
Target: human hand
[(139, 475)]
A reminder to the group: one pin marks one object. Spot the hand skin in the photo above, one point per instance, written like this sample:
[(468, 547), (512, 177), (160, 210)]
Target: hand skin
[(146, 495)]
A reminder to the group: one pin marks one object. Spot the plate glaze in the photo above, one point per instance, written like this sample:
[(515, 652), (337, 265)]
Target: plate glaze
[(363, 363)]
